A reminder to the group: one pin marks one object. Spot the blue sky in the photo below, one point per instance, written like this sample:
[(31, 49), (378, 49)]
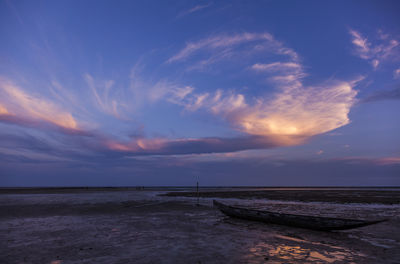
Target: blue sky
[(236, 93)]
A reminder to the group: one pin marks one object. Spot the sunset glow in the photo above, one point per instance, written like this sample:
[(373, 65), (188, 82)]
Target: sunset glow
[(132, 88)]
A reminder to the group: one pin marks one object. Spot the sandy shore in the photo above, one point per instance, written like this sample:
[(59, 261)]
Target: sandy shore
[(142, 227)]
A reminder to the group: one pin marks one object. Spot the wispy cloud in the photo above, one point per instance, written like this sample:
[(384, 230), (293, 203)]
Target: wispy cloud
[(383, 161), (222, 44), (362, 45), (193, 10), (17, 103), (123, 102), (277, 66), (377, 51), (182, 146), (103, 101), (219, 102), (285, 74)]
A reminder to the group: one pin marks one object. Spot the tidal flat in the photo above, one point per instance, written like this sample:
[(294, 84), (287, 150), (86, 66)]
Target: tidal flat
[(167, 225)]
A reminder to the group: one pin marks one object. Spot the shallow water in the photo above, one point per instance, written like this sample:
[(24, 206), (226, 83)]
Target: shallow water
[(141, 227)]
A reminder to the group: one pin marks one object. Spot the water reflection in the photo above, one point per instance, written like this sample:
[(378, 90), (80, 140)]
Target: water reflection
[(286, 252), (295, 250), (290, 253)]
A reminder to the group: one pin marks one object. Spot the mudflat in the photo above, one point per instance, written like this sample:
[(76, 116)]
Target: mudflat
[(141, 226), (311, 195)]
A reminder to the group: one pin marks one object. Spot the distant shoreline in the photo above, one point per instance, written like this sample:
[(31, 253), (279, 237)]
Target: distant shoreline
[(189, 186), (363, 195)]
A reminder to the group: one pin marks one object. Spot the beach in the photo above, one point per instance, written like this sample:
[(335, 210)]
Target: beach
[(166, 225)]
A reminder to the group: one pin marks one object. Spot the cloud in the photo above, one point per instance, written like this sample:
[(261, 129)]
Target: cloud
[(382, 161), (213, 169), (191, 146), (193, 10), (304, 111), (123, 102), (19, 105), (381, 49), (3, 110), (96, 146), (382, 95), (396, 73), (362, 45), (22, 109), (143, 92), (287, 75), (277, 66), (41, 125), (222, 44), (219, 102), (388, 161), (289, 116)]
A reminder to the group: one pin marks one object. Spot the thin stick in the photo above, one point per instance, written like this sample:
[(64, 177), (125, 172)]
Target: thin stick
[(197, 190)]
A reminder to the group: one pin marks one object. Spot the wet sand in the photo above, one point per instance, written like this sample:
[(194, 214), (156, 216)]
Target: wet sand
[(312, 195), (142, 227)]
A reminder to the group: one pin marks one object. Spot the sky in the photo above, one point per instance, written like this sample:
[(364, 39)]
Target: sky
[(165, 93)]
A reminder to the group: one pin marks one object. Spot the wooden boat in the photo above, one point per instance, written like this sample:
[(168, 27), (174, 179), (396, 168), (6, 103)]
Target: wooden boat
[(302, 221)]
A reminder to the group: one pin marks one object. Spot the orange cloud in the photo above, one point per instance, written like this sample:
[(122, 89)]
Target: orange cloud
[(28, 106), (300, 112), (3, 110), (292, 115)]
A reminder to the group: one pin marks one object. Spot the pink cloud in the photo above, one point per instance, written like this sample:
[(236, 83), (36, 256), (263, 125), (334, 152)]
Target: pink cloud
[(388, 161), (24, 105), (378, 161)]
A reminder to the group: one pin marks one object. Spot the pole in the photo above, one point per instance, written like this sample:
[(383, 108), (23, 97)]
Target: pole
[(197, 190)]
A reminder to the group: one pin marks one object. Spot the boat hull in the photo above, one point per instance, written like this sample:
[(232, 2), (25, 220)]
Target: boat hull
[(302, 221)]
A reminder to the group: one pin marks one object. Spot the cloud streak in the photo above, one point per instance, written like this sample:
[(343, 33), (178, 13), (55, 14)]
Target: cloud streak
[(18, 104), (382, 49), (194, 9), (222, 44), (393, 94), (191, 146)]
